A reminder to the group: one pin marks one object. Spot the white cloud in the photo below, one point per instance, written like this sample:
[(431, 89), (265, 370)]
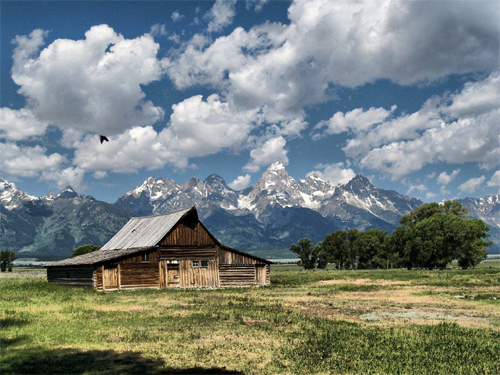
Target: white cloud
[(241, 182), (199, 128), (92, 84), (258, 5), (196, 128), (495, 180), (158, 29), (221, 15), (335, 173), (420, 188), (267, 153), (472, 185), (356, 120), (284, 67), (430, 195), (64, 177), (18, 161), (406, 143), (140, 147), (19, 124), (444, 178), (176, 16)]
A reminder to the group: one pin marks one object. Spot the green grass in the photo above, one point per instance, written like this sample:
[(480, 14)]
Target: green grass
[(300, 325)]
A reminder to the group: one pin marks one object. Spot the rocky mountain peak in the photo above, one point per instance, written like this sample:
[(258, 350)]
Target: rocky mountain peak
[(217, 182), (277, 166), (67, 193), (359, 182), (11, 197)]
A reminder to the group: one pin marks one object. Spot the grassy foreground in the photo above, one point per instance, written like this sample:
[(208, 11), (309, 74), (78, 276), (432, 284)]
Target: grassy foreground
[(314, 322)]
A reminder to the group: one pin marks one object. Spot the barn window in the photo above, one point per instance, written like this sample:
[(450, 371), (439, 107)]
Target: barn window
[(145, 257), (204, 263), (196, 263)]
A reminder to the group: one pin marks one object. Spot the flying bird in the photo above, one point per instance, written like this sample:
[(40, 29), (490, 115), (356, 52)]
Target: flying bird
[(103, 138)]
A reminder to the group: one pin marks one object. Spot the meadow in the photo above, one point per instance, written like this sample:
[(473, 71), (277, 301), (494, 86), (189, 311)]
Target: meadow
[(306, 322)]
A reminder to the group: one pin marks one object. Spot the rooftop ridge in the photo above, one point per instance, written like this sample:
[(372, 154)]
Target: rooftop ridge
[(166, 214)]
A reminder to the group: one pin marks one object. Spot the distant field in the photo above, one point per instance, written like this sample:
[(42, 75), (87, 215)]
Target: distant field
[(307, 322)]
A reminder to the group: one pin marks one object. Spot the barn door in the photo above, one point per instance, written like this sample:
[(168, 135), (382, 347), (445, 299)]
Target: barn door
[(110, 277), (173, 275), (260, 274)]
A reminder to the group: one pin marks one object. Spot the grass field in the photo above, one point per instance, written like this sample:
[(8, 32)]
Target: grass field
[(307, 322)]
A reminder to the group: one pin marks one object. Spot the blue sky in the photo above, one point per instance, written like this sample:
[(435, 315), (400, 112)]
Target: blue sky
[(405, 92)]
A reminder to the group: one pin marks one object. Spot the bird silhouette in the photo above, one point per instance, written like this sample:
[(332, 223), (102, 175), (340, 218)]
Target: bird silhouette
[(103, 138)]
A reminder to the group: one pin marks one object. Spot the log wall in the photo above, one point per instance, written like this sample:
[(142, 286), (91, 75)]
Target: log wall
[(188, 253), (139, 275), (188, 234), (72, 276), (231, 275), (229, 257)]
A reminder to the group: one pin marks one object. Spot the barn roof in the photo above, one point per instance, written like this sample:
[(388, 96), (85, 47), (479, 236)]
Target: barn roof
[(96, 257), (145, 231)]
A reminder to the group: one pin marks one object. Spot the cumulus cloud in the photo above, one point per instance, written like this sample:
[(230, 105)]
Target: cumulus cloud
[(20, 161), (335, 173), (285, 68), (220, 15), (158, 29), (176, 16), (472, 185), (420, 187), (444, 178), (267, 153), (495, 180), (405, 144), (64, 177), (93, 84), (19, 124), (241, 182), (196, 128), (355, 120)]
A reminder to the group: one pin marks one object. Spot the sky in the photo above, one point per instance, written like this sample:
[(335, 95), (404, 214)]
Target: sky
[(405, 92)]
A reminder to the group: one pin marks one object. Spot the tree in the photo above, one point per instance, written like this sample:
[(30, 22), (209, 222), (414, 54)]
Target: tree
[(435, 234), (370, 248), (6, 259), (472, 243), (84, 249), (335, 247), (304, 248), (321, 256)]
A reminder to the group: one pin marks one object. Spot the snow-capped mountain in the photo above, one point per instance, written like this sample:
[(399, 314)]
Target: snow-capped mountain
[(11, 197), (487, 209), (270, 215), (358, 202)]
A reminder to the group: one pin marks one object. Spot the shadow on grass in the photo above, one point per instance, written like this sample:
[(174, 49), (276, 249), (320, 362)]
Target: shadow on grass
[(12, 322), (72, 361), (5, 342)]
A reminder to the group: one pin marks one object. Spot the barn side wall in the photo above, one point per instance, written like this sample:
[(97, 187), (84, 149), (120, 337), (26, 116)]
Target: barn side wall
[(129, 273), (238, 270), (71, 276)]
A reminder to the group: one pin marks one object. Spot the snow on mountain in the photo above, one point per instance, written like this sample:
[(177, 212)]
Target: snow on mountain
[(486, 209), (11, 197)]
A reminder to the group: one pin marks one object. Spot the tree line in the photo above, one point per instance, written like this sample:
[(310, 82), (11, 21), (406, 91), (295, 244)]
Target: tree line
[(431, 236)]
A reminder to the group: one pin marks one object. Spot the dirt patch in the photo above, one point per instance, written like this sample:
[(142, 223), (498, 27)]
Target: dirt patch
[(364, 282)]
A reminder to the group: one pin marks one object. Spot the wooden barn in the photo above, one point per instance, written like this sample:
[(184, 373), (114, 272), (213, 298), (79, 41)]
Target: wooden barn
[(165, 251)]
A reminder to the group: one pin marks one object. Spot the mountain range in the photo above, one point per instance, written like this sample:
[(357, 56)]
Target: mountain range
[(265, 218)]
